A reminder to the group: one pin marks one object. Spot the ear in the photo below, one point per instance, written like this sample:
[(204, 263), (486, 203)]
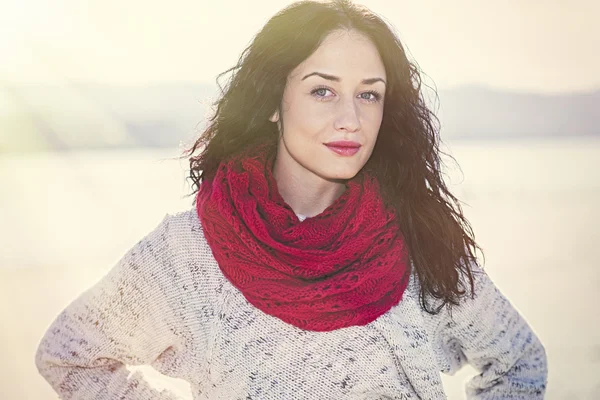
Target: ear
[(274, 117)]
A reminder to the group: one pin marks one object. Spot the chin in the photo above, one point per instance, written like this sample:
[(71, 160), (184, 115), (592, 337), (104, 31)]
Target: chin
[(340, 175)]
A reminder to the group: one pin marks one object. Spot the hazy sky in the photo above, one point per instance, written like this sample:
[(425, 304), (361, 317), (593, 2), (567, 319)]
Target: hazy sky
[(533, 45)]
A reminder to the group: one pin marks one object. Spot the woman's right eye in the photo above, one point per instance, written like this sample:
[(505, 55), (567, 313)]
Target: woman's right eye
[(320, 92)]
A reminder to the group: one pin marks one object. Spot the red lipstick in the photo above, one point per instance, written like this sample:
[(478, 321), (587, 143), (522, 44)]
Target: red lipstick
[(343, 147)]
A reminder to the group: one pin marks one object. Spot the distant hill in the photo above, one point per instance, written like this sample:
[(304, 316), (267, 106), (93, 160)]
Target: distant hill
[(88, 116), (480, 113)]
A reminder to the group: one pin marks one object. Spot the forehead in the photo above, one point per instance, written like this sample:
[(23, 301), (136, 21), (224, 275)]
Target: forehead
[(344, 53)]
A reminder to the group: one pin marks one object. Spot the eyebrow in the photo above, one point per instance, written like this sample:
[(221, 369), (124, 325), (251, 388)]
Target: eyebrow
[(368, 81)]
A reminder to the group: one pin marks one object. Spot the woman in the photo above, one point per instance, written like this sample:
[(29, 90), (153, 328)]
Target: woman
[(322, 259)]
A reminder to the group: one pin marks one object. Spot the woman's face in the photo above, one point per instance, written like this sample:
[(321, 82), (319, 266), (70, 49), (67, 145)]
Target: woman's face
[(332, 109)]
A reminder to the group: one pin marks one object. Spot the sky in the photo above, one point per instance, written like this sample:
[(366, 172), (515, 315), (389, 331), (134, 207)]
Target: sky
[(528, 45)]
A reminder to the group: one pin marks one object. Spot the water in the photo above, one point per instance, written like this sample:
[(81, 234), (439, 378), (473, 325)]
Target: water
[(66, 219)]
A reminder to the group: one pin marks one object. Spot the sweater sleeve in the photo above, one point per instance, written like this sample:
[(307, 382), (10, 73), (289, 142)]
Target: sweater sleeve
[(119, 321), (488, 333)]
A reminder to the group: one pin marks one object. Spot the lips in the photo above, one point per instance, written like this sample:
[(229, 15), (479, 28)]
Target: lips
[(344, 147)]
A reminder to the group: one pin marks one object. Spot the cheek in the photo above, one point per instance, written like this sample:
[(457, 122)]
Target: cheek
[(308, 109), (375, 116), (304, 119), (372, 123)]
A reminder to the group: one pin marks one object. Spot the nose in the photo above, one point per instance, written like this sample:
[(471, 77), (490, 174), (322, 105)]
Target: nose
[(347, 117)]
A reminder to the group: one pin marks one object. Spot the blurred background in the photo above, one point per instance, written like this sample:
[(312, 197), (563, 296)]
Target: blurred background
[(99, 98)]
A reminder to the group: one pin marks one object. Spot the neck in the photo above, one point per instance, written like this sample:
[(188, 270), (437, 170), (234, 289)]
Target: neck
[(307, 193)]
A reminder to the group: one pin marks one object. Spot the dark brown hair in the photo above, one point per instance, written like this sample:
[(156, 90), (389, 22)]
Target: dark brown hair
[(405, 158)]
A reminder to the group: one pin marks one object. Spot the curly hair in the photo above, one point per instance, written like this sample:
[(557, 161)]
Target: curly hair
[(405, 158)]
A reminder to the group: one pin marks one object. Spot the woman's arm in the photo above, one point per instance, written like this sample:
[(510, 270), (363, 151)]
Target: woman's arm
[(489, 333), (118, 321)]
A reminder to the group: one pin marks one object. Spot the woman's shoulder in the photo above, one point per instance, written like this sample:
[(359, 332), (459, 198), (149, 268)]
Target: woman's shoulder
[(186, 259), (185, 219), (186, 241), (481, 304), (182, 228)]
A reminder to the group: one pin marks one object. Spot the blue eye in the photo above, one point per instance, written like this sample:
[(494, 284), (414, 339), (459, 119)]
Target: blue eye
[(320, 93), (376, 96)]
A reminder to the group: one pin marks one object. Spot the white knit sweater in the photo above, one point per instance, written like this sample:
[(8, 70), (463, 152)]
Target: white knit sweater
[(167, 304)]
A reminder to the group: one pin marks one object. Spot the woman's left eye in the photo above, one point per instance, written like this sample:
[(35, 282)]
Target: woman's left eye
[(376, 96)]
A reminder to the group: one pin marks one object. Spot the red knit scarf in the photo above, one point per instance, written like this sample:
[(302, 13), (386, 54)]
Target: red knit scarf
[(343, 267)]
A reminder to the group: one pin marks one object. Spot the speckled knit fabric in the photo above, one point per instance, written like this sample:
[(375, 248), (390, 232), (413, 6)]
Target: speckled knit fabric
[(167, 304)]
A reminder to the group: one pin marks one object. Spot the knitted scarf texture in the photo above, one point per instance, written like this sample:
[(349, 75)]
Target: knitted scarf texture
[(344, 267)]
